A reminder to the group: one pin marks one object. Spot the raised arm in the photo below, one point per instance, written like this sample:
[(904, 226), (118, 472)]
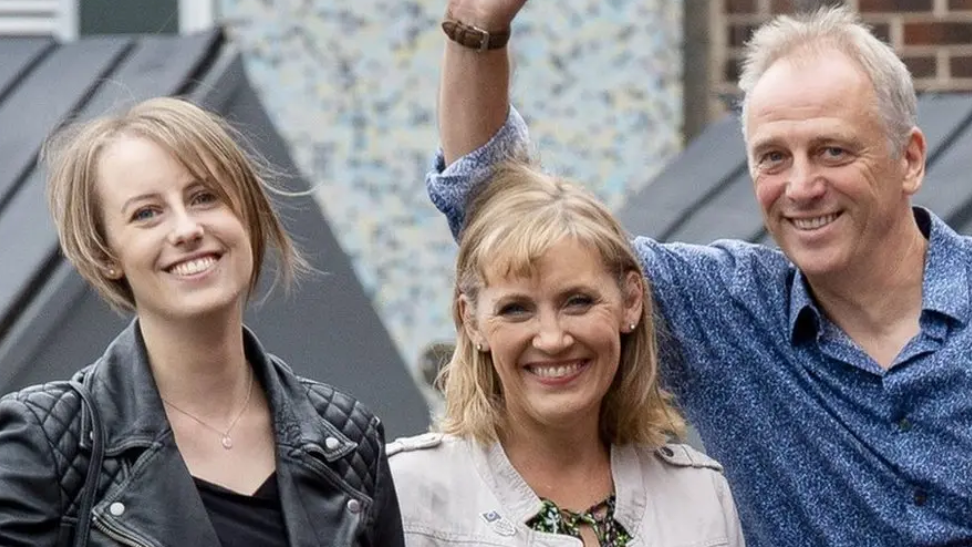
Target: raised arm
[(477, 126), (474, 91)]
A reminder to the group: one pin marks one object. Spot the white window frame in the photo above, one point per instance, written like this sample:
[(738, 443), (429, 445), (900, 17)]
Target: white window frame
[(64, 23), (67, 21), (196, 15), (30, 17)]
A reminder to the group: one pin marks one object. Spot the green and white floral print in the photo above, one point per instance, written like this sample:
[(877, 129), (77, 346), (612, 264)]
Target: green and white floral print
[(600, 518)]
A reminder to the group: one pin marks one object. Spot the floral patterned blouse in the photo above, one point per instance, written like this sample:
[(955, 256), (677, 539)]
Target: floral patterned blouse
[(600, 518)]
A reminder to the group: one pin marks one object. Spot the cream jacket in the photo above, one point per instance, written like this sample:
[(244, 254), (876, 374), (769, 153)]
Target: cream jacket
[(456, 492)]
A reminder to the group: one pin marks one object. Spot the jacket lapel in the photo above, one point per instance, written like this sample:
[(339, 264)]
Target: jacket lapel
[(125, 393), (160, 484), (316, 503), (316, 511)]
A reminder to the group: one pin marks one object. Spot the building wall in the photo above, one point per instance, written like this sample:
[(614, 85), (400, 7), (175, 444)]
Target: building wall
[(352, 87), (933, 37)]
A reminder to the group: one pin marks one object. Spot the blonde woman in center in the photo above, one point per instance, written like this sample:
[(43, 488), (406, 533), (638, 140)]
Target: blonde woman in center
[(555, 429)]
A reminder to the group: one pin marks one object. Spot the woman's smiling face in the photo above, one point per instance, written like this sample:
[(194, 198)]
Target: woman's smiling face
[(178, 245), (555, 335)]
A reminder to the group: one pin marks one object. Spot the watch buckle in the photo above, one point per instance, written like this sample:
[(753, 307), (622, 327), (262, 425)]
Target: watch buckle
[(483, 37)]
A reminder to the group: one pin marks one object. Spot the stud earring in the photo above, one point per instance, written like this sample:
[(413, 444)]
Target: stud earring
[(632, 326), (479, 347), (111, 272)]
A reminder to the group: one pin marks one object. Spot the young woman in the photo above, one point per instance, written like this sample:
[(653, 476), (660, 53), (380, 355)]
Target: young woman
[(207, 439), (555, 427)]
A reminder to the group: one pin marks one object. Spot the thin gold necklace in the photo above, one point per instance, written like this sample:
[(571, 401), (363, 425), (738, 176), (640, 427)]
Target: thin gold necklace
[(224, 436)]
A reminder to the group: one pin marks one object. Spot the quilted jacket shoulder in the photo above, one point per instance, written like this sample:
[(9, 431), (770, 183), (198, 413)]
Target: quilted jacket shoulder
[(57, 409), (356, 422)]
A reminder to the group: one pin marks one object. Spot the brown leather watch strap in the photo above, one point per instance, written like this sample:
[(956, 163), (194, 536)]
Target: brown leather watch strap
[(475, 37)]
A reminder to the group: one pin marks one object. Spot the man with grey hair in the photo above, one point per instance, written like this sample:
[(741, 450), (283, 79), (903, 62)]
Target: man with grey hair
[(832, 379)]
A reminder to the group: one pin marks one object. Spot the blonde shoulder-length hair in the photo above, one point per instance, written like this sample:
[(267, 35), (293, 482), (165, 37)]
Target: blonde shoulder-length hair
[(202, 142), (517, 216)]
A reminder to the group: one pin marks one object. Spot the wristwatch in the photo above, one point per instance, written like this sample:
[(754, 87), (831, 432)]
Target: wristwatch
[(475, 37)]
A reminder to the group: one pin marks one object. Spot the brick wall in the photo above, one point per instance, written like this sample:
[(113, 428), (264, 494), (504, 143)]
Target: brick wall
[(933, 37)]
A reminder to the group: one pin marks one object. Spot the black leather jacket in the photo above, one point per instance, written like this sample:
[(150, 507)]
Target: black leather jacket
[(332, 472)]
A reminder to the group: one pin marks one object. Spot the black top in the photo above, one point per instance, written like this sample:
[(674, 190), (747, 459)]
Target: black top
[(240, 520)]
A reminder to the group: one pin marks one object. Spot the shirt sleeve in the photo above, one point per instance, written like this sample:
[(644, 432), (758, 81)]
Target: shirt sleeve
[(450, 186), (710, 299)]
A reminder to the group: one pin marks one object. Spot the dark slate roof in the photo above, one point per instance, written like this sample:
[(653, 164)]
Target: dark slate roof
[(706, 193), (52, 324)]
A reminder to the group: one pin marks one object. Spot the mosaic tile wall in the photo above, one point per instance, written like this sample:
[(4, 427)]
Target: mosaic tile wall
[(352, 87)]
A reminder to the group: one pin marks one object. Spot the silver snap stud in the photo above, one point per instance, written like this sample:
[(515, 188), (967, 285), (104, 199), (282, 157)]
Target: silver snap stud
[(354, 506), (116, 508), (331, 443)]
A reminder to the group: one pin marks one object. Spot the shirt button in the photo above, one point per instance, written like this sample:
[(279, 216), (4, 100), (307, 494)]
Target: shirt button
[(116, 509), (904, 424), (331, 443), (354, 506), (920, 497)]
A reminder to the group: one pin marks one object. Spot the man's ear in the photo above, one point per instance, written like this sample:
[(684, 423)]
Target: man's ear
[(913, 157), (633, 293), (467, 311)]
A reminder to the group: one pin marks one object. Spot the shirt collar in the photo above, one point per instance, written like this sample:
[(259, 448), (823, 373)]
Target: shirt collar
[(945, 285), (804, 316), (945, 288)]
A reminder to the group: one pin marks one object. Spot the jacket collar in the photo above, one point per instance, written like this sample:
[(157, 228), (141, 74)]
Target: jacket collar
[(124, 390), (297, 420), (522, 504), (132, 414)]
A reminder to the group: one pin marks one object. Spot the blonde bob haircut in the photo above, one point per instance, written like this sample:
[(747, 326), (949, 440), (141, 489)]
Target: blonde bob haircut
[(830, 29), (518, 215), (202, 142)]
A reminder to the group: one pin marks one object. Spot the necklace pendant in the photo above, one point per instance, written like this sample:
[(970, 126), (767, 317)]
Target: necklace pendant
[(227, 442)]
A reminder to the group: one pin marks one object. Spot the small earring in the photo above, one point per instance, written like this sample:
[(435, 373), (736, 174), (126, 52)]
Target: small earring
[(479, 347), (632, 326), (111, 272)]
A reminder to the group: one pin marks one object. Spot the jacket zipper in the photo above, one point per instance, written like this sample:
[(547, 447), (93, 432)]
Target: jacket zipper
[(117, 535)]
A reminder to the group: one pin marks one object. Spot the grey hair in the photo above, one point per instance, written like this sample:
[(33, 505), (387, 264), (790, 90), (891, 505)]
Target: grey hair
[(836, 28)]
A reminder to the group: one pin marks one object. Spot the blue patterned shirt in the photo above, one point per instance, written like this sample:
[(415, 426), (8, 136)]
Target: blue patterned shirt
[(821, 445)]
